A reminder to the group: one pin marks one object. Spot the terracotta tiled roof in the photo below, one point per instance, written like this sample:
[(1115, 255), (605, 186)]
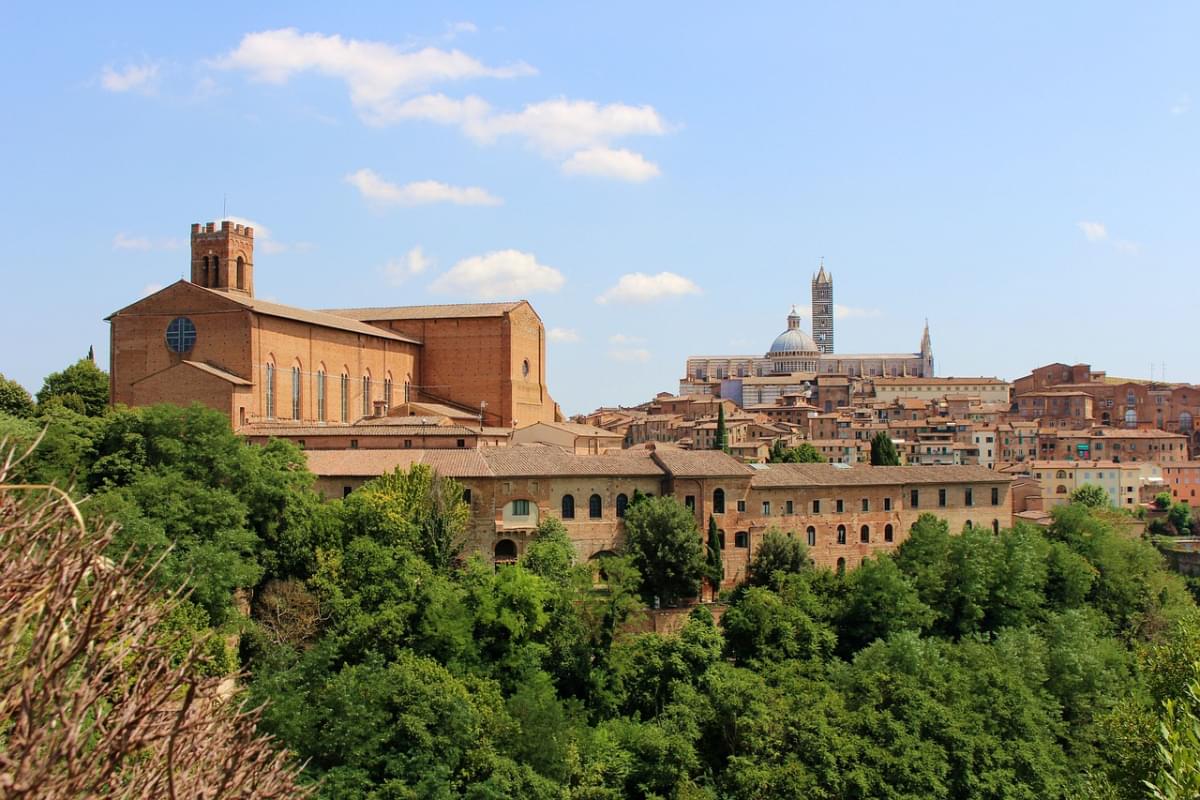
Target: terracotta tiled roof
[(865, 475), (577, 429), (699, 463), (218, 372), (372, 463), (904, 381), (446, 311), (322, 318), (277, 429), (550, 461)]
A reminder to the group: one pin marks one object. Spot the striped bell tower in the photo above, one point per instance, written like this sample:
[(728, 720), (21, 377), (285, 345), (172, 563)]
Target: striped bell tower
[(822, 309)]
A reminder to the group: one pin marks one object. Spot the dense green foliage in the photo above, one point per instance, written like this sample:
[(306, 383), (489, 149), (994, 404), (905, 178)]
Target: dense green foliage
[(721, 436), (1091, 495), (883, 451), (82, 387), (1026, 664), (804, 453), (14, 399)]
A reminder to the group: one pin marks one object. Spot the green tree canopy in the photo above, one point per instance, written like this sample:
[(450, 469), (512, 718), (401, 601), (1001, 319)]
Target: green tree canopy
[(665, 546), (83, 380), (1091, 495), (804, 453), (777, 552), (883, 451), (14, 399)]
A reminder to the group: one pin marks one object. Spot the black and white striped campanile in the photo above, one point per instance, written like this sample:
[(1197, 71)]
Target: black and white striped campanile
[(822, 310)]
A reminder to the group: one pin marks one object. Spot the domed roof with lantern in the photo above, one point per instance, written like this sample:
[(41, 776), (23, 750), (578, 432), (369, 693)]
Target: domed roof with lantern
[(793, 340)]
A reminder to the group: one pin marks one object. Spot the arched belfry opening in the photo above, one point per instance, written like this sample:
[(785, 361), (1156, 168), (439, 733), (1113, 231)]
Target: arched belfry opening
[(223, 258)]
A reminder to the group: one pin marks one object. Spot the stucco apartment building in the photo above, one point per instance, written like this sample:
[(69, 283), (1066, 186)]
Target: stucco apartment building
[(212, 340), (844, 513), (1121, 480)]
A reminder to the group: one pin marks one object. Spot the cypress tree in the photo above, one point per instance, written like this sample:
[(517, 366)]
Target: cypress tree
[(719, 441), (883, 451), (715, 570)]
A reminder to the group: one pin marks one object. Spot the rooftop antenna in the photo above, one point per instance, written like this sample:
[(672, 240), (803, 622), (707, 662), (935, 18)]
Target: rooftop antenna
[(224, 202)]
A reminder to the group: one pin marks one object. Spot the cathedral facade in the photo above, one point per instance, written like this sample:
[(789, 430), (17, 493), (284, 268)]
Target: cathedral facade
[(797, 356), (211, 340)]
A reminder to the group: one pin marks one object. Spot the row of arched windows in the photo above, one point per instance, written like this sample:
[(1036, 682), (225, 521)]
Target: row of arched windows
[(595, 506), (297, 384), (210, 268)]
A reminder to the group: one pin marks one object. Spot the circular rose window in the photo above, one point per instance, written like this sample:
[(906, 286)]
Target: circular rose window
[(181, 335)]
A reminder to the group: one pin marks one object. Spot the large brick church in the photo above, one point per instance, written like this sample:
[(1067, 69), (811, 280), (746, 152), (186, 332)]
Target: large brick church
[(211, 340)]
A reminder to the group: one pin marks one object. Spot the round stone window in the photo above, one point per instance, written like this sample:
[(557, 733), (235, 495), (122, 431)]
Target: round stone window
[(525, 368), (181, 335)]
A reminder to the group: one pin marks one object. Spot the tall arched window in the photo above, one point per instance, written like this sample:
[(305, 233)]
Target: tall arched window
[(995, 526), (812, 536), (387, 391), (718, 501), (407, 390), (1131, 418), (841, 566), (204, 279), (216, 271), (269, 389), (296, 392), (622, 504), (864, 534), (366, 395), (888, 533), (321, 393), (841, 534), (568, 506), (506, 551), (1185, 422), (345, 381), (595, 507), (241, 273)]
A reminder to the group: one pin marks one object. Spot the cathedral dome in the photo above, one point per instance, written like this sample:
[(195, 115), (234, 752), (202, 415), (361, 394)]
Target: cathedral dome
[(793, 341)]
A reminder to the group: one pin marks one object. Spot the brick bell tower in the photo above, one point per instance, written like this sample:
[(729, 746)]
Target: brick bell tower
[(223, 259)]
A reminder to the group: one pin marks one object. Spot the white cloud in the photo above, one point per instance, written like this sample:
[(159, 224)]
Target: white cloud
[(1097, 232), (621, 338), (412, 263), (265, 241), (604, 162), (455, 29), (133, 78), (123, 241), (562, 335), (1182, 105), (846, 312), (374, 72), (151, 288), (375, 188), (501, 274), (638, 287), (630, 355)]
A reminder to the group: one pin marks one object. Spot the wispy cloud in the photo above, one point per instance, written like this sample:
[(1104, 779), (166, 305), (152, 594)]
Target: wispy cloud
[(265, 241), (456, 29), (376, 73), (131, 78), (378, 190), (620, 338), (630, 355), (638, 287), (604, 162), (125, 241), (501, 274), (409, 265), (847, 312), (1097, 232), (565, 335)]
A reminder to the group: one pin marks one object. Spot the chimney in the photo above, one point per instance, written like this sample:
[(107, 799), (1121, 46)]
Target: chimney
[(380, 407)]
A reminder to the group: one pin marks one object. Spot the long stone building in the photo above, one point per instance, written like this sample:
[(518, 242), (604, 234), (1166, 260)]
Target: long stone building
[(844, 513), (212, 340)]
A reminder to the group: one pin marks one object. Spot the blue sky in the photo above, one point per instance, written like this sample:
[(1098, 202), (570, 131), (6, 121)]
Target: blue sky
[(659, 179)]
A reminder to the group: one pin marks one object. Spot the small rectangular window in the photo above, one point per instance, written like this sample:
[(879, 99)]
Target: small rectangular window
[(816, 506), (995, 496), (300, 443), (354, 444), (866, 504), (462, 442), (788, 507), (741, 505), (766, 508), (690, 501), (887, 504), (467, 496), (520, 508), (941, 498), (408, 444), (969, 497), (839, 506), (346, 490), (914, 498)]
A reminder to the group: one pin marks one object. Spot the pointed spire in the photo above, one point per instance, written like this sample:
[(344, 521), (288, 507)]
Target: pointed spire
[(926, 343), (822, 276)]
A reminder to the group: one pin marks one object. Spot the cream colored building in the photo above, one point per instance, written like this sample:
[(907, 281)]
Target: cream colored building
[(1121, 480), (988, 390)]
